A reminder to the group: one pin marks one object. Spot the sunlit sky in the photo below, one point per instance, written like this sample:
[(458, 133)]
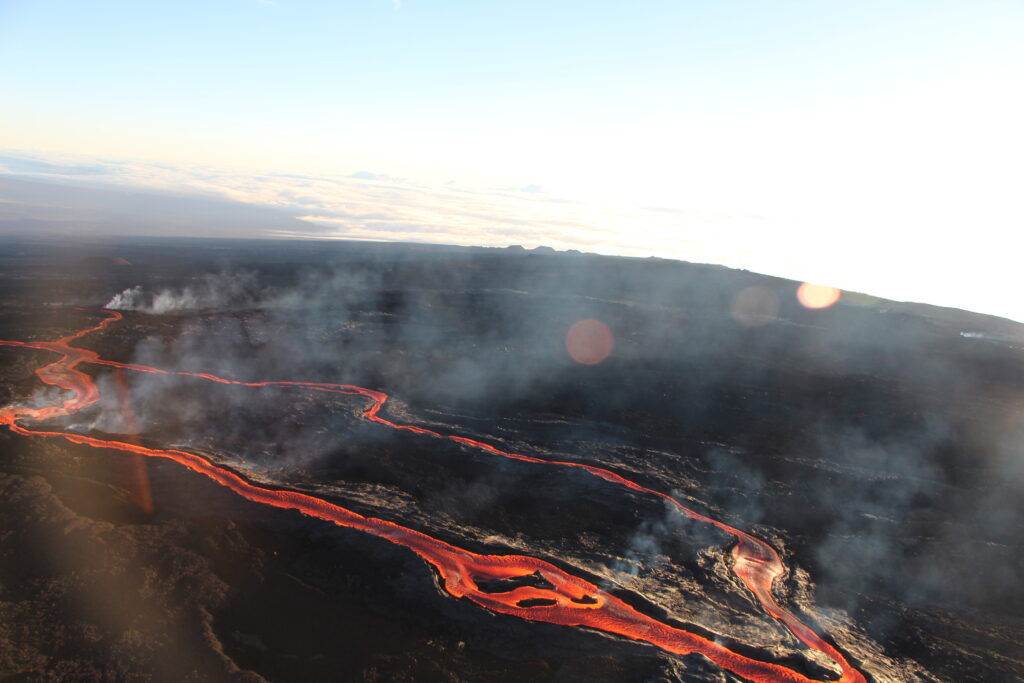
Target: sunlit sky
[(873, 145)]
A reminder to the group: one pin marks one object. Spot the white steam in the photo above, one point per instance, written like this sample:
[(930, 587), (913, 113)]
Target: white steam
[(223, 291), (128, 300)]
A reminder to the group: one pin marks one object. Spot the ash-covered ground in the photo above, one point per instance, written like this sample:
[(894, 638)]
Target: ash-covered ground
[(877, 446)]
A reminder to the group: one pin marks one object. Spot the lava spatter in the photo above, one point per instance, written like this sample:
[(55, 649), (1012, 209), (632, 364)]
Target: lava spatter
[(552, 596)]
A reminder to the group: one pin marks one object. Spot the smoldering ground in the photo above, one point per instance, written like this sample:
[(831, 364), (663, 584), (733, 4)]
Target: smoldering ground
[(679, 358), (853, 432)]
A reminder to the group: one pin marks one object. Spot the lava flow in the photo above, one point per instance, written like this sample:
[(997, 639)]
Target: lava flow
[(540, 591)]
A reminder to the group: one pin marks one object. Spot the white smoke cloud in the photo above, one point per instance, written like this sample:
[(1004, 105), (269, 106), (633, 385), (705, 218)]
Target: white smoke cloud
[(129, 300), (223, 291), (186, 300)]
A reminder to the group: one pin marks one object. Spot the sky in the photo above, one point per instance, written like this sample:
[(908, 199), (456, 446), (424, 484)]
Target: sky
[(875, 146)]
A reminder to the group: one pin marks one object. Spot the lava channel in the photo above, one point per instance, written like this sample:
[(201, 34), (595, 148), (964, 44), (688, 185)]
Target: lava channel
[(551, 595)]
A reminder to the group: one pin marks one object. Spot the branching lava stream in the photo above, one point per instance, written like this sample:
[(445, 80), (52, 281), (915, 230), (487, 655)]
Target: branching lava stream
[(556, 597)]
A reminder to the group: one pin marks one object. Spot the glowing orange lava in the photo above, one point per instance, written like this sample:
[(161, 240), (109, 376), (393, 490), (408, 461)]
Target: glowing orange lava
[(817, 296), (571, 601)]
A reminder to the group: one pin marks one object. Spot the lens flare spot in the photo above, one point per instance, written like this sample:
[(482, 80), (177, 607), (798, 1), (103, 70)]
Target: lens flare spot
[(754, 306), (139, 481), (589, 341), (817, 296)]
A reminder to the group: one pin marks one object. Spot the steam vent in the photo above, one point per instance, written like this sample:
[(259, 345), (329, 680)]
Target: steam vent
[(232, 460)]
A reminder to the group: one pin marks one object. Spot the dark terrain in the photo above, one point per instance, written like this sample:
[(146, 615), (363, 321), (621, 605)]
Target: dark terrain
[(876, 445)]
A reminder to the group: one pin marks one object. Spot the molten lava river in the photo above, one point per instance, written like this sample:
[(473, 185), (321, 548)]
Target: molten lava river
[(552, 595)]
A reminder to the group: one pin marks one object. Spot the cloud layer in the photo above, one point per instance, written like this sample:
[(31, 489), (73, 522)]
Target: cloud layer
[(904, 265)]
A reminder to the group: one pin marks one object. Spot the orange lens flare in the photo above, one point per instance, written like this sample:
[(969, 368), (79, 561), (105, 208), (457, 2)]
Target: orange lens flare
[(139, 483), (589, 342), (817, 296)]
